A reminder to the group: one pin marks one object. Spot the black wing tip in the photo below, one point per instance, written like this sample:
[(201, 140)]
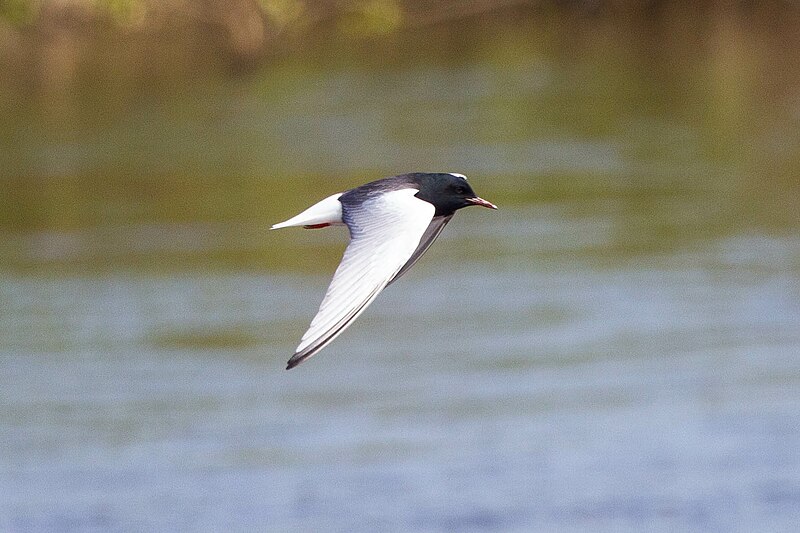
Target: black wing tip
[(297, 359)]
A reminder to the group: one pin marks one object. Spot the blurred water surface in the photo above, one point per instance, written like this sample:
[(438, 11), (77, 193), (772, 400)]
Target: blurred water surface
[(616, 349)]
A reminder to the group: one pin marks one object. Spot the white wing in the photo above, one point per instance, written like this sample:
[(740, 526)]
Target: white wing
[(434, 229), (385, 231)]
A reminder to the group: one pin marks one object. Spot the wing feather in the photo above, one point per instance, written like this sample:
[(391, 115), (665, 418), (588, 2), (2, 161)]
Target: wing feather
[(434, 229), (385, 234)]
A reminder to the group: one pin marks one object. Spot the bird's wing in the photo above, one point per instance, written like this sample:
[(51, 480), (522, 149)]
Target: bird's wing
[(385, 231), (431, 233)]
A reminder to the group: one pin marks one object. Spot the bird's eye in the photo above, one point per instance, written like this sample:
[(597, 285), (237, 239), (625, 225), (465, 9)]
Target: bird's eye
[(461, 190)]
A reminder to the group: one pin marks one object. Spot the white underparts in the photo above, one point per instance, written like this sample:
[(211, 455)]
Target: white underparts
[(327, 211)]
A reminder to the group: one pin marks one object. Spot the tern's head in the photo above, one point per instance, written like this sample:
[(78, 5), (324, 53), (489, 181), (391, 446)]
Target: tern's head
[(447, 192)]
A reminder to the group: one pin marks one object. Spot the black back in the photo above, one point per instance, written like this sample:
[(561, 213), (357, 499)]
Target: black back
[(446, 192)]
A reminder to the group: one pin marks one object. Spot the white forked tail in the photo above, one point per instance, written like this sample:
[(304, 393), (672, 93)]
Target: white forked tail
[(327, 211)]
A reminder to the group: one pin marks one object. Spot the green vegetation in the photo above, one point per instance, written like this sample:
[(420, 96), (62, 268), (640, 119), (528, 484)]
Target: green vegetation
[(145, 138)]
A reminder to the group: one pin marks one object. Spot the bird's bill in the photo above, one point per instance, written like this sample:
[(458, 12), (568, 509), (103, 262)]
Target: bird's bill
[(481, 202)]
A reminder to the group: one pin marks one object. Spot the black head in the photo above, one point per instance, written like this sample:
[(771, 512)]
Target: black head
[(447, 192)]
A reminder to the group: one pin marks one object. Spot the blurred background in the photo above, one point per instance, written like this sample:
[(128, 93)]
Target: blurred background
[(615, 349)]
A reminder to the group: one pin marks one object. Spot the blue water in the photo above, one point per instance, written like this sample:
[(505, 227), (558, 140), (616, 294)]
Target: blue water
[(658, 395)]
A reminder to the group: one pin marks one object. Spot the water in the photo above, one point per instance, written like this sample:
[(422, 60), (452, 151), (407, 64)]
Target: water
[(615, 349), (656, 398)]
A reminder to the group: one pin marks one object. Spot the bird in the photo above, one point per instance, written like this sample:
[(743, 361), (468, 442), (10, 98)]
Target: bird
[(392, 222)]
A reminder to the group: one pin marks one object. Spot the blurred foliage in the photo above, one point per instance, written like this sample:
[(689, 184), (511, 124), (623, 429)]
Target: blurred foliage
[(18, 13), (135, 130), (284, 13), (58, 44)]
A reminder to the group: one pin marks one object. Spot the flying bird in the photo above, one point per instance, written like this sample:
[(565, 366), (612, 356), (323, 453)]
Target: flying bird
[(392, 222)]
